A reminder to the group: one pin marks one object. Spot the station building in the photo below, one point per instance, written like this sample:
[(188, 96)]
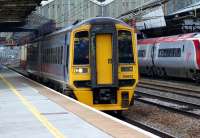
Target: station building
[(65, 12), (175, 5)]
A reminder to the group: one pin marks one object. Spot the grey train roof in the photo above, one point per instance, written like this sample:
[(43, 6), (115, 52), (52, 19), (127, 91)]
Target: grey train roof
[(95, 20)]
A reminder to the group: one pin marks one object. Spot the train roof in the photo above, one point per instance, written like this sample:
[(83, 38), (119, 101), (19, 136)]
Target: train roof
[(95, 20), (98, 20), (169, 38)]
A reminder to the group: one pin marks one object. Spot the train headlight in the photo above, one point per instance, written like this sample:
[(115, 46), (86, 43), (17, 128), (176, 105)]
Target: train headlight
[(76, 70), (81, 70)]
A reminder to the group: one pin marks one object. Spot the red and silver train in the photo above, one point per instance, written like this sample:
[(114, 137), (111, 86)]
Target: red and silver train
[(173, 56)]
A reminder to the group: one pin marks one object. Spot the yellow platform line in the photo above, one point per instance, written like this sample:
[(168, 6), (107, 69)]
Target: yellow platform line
[(54, 131)]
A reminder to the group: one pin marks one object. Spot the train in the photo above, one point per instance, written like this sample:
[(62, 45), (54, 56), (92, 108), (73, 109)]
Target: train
[(173, 56), (94, 61)]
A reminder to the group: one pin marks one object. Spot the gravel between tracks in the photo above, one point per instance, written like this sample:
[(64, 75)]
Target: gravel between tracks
[(173, 123), (171, 95)]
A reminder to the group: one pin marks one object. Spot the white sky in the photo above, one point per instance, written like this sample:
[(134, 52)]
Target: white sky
[(95, 1), (103, 3), (47, 1)]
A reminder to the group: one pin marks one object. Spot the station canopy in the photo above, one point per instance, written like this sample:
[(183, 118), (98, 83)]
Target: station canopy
[(14, 12), (19, 17), (36, 25)]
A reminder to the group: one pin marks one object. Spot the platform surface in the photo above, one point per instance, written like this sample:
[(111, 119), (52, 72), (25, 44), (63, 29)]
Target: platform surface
[(28, 109)]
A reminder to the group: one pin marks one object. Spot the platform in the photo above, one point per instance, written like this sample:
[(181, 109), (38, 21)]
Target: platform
[(29, 109)]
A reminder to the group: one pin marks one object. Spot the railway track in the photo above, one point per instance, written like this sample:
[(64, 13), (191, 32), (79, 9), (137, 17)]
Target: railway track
[(180, 89), (169, 97), (141, 125), (146, 127), (184, 100)]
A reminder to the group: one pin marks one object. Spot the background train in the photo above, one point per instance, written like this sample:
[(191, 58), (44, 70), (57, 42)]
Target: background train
[(174, 56), (94, 61), (9, 55)]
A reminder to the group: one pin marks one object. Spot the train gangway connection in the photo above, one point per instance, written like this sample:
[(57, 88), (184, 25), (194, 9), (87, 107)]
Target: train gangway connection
[(29, 109)]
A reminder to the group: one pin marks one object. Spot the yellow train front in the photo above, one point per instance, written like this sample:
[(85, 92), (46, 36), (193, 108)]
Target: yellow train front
[(94, 61), (103, 64)]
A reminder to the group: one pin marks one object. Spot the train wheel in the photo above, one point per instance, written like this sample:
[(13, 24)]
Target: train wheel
[(155, 72), (161, 73), (164, 73), (150, 72), (118, 112), (69, 93), (196, 77)]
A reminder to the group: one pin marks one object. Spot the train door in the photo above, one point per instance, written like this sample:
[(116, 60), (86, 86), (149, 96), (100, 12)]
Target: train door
[(153, 67), (104, 58)]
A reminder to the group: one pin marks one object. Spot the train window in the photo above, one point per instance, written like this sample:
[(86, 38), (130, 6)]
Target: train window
[(48, 55), (50, 61), (61, 55), (169, 52), (55, 61), (57, 55), (51, 55), (45, 55), (81, 48), (125, 47), (142, 53), (54, 58), (42, 55), (67, 38)]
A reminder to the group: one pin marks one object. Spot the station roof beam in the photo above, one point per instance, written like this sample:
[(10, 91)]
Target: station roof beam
[(13, 13)]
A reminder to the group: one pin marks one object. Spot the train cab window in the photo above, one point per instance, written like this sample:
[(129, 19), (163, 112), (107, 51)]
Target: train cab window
[(125, 47), (81, 48)]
